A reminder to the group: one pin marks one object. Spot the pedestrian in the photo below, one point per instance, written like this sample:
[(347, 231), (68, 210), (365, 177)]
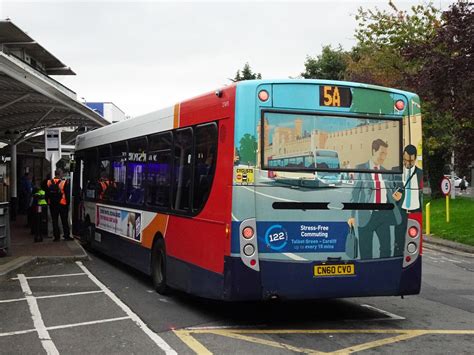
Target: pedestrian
[(26, 188), (462, 184), (39, 213), (57, 194)]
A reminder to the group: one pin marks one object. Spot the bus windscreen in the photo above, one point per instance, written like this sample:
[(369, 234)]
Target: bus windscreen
[(299, 142)]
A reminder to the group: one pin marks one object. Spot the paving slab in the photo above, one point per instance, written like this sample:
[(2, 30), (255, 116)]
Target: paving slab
[(78, 309), (120, 337), (28, 343), (15, 316), (61, 285)]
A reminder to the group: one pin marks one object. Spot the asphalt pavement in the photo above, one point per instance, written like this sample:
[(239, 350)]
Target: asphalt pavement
[(102, 306)]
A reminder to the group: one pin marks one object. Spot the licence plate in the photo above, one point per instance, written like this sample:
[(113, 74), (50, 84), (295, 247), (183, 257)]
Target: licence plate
[(334, 270)]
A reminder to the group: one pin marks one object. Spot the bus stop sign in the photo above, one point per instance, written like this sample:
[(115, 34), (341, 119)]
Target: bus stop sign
[(52, 143), (445, 186)]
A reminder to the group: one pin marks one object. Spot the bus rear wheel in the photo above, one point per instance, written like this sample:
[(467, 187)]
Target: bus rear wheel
[(158, 267)]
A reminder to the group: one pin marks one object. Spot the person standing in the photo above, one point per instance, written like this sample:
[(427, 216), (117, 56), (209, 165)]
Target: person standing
[(408, 197), (26, 190), (370, 189), (462, 184), (57, 194), (39, 213)]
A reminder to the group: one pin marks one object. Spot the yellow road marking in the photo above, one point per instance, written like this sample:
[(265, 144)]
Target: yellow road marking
[(274, 344), (376, 343), (237, 333), (327, 331), (193, 344)]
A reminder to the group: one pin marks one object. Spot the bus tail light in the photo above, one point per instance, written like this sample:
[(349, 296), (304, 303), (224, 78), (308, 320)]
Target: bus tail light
[(247, 232), (413, 232), (249, 249), (412, 242), (400, 105), (411, 247), (248, 243), (263, 95)]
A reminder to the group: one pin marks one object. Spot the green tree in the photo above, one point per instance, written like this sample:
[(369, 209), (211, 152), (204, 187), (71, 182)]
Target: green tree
[(331, 64), (246, 74), (446, 78), (248, 149), (430, 53), (382, 36)]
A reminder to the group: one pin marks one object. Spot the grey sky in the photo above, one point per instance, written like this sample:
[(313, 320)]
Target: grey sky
[(147, 55)]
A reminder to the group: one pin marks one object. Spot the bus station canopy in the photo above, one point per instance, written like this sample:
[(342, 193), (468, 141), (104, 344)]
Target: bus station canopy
[(30, 100), (29, 103)]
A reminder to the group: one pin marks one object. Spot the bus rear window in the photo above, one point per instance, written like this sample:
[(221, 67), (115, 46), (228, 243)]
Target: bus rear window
[(302, 142)]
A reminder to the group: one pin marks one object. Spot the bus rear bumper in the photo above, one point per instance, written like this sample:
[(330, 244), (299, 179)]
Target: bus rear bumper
[(290, 280)]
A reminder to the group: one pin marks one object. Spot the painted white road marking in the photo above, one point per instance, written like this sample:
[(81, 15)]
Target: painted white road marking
[(153, 336), (50, 276), (70, 294), (87, 323), (388, 314), (53, 296), (13, 300), (43, 334), (55, 327), (17, 332)]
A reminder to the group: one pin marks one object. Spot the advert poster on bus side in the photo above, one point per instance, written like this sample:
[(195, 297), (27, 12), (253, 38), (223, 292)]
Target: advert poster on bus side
[(124, 223)]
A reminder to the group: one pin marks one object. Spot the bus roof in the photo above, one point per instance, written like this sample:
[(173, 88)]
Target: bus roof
[(324, 82), (163, 119)]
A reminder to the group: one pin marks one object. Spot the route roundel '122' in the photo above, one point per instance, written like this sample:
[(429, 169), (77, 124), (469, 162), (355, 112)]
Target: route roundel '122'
[(276, 237)]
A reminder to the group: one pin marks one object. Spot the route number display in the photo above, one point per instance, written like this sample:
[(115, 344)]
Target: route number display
[(335, 96)]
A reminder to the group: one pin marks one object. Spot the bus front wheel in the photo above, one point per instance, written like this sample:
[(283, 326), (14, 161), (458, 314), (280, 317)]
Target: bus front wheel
[(158, 267)]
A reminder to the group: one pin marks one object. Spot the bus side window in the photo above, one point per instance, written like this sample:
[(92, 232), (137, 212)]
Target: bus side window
[(90, 174), (205, 159), (159, 170), (104, 172), (117, 183), (136, 171), (182, 169)]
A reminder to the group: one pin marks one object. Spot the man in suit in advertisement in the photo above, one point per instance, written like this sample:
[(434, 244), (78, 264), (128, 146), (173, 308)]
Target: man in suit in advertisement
[(372, 188), (408, 197)]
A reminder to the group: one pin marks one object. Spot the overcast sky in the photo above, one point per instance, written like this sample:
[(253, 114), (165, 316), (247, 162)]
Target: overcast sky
[(147, 55)]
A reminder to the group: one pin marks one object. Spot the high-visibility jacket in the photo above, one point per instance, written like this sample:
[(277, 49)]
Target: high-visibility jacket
[(104, 185), (61, 185), (41, 197)]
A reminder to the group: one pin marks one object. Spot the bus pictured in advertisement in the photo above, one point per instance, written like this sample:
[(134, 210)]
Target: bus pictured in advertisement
[(322, 159), (192, 194)]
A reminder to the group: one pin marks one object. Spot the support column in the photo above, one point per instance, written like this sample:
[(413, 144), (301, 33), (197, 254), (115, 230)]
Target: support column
[(13, 184)]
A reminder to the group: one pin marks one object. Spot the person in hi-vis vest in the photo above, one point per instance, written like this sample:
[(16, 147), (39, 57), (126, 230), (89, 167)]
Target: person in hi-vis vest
[(57, 194)]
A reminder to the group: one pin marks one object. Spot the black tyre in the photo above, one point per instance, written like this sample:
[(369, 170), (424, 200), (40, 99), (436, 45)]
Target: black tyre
[(158, 267), (87, 236)]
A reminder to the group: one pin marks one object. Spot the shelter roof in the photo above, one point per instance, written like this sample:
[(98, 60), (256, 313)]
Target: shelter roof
[(13, 38), (31, 101)]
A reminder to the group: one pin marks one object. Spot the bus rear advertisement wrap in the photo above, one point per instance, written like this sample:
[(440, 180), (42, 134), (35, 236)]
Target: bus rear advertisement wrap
[(298, 189), (331, 170)]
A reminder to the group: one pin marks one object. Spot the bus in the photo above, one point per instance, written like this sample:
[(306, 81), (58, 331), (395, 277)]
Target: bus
[(324, 159), (184, 194)]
